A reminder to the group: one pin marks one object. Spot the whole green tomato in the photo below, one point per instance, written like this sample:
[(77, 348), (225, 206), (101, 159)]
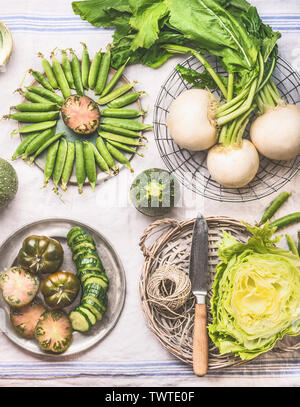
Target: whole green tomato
[(60, 289), (41, 254)]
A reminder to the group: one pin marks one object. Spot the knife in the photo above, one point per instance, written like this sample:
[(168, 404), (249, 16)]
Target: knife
[(198, 274)]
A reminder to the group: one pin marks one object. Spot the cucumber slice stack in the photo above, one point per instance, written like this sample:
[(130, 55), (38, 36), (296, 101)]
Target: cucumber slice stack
[(94, 281)]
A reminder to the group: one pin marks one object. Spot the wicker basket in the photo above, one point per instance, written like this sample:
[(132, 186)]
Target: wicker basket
[(171, 244)]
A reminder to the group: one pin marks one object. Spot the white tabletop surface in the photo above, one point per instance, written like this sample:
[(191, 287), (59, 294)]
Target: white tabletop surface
[(40, 25)]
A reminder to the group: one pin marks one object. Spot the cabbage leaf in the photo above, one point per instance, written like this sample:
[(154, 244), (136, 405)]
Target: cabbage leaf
[(256, 295)]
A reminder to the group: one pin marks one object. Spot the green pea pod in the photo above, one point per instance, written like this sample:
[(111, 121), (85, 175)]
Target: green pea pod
[(124, 147), (66, 65), (95, 66), (122, 113), (114, 80), (46, 145), (60, 77), (34, 97), (47, 94), (37, 127), (76, 71), (102, 164), (85, 66), (118, 130), (33, 117), (127, 124), (119, 156), (48, 71), (292, 244), (80, 168), (36, 107), (50, 162), (24, 144), (39, 77), (125, 100), (104, 100), (68, 168), (90, 164), (101, 146), (274, 207), (38, 142), (103, 72), (285, 221), (121, 139), (60, 162)]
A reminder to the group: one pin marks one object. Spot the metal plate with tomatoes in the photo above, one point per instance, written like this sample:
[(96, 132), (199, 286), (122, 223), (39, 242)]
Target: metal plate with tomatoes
[(58, 229)]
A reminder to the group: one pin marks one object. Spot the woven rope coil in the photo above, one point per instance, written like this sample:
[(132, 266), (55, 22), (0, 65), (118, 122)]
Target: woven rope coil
[(169, 243)]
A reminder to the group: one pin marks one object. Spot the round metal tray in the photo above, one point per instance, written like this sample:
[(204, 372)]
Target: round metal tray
[(191, 168), (58, 229)]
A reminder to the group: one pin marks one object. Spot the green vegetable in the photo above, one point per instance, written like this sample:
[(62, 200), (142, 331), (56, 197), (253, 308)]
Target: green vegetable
[(54, 332), (60, 162), (122, 113), (33, 97), (286, 220), (33, 117), (104, 100), (38, 142), (154, 192), (24, 144), (47, 94), (37, 127), (44, 147), (114, 80), (102, 148), (66, 65), (48, 71), (60, 289), (274, 207), (68, 168), (40, 254), (85, 66), (103, 72), (50, 162), (126, 124), (95, 66), (80, 165), (76, 71), (8, 183), (19, 287), (125, 100), (120, 139), (36, 107), (255, 298), (90, 164), (119, 156), (108, 128), (60, 77), (292, 244), (39, 77), (94, 281)]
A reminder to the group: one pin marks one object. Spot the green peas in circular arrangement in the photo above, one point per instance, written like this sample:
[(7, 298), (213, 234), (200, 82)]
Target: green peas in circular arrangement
[(60, 289), (41, 254)]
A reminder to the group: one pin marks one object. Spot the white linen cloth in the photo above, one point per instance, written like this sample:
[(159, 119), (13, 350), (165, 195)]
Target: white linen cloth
[(129, 355)]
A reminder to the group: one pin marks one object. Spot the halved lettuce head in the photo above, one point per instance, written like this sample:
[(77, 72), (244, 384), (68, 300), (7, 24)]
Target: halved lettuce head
[(256, 295)]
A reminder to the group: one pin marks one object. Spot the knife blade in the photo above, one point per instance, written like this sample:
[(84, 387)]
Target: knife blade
[(198, 273)]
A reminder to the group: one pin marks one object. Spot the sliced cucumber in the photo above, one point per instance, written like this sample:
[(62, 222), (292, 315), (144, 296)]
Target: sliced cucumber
[(79, 321), (94, 302), (83, 245), (77, 231), (101, 305), (94, 308), (91, 316), (101, 280), (83, 252)]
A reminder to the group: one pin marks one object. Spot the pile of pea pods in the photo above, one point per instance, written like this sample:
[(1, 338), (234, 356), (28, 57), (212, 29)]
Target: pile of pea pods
[(119, 133)]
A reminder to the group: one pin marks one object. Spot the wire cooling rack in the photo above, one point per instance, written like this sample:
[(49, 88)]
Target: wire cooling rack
[(190, 167)]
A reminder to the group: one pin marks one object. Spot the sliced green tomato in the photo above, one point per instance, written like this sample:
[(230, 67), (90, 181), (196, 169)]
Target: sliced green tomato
[(101, 280), (91, 316), (25, 319), (54, 331), (79, 321), (19, 287)]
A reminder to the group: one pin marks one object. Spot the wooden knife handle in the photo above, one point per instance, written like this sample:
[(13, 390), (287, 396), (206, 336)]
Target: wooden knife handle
[(200, 341)]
